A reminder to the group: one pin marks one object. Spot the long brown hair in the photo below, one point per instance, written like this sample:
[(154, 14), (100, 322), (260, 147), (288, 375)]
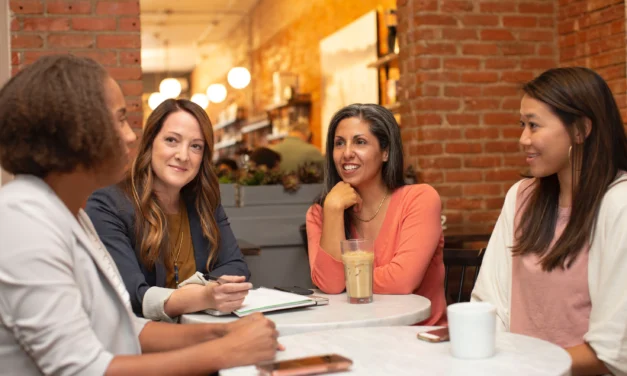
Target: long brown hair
[(577, 96), (151, 223)]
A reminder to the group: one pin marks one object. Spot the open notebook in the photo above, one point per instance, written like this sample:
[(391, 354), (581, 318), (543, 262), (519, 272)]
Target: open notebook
[(266, 300)]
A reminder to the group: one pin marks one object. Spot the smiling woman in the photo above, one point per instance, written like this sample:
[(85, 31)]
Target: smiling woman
[(554, 267), (164, 225), (365, 197)]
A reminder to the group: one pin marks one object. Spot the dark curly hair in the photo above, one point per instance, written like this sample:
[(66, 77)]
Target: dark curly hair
[(54, 118)]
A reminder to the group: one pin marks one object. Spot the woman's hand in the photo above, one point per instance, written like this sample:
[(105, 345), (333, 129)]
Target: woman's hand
[(254, 339), (228, 295), (342, 197)]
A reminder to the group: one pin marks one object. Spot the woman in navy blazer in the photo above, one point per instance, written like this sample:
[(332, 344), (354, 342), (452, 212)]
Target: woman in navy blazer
[(164, 225)]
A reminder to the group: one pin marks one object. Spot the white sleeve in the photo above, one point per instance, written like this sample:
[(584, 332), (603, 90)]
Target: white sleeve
[(40, 301), (495, 276), (607, 332)]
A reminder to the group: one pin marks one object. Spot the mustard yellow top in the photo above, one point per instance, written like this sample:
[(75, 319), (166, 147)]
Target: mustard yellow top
[(181, 248)]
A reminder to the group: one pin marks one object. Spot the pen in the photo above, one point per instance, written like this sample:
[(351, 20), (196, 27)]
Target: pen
[(219, 280), (210, 277)]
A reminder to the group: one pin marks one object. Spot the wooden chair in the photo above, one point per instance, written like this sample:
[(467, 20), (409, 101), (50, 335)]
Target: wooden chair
[(463, 259), (303, 235)]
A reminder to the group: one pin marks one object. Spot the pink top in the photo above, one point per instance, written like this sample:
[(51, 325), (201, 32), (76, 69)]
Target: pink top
[(408, 250), (554, 306)]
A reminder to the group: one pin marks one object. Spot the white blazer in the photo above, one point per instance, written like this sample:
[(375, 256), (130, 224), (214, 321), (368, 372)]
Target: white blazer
[(63, 307), (607, 280)]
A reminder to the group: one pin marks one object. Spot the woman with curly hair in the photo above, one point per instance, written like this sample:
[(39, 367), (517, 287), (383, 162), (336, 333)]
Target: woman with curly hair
[(63, 306), (164, 225)]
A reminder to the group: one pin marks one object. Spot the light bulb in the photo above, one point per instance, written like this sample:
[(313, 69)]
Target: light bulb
[(200, 99), (155, 100), (238, 77), (216, 93), (170, 87)]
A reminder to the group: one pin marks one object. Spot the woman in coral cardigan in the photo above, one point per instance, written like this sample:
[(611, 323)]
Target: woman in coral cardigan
[(365, 197)]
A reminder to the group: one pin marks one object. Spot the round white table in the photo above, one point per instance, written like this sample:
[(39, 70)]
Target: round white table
[(385, 310), (397, 351)]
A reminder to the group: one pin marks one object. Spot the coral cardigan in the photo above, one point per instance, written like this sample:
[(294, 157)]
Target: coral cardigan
[(408, 250)]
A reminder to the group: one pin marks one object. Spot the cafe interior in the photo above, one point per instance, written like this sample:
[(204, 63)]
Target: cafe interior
[(449, 71)]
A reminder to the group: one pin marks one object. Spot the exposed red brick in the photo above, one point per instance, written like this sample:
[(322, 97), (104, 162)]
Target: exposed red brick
[(71, 40), (520, 21), (129, 24), (27, 6), (481, 133), (456, 6), (26, 41), (480, 49), (462, 119), (480, 20), (482, 189), (118, 7), (46, 24), (68, 7), (497, 7), (464, 176), (463, 148), (94, 23), (119, 41), (41, 28)]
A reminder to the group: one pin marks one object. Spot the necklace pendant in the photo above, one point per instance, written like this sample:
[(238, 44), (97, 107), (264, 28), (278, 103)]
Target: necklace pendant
[(176, 275)]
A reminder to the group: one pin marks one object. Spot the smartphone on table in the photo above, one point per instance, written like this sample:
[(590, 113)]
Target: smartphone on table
[(436, 335), (294, 290), (312, 365)]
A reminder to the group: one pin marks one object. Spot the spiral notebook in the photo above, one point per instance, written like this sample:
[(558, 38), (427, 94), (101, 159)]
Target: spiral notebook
[(267, 300)]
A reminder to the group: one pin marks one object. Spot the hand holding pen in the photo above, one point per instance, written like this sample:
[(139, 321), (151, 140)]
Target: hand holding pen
[(227, 293)]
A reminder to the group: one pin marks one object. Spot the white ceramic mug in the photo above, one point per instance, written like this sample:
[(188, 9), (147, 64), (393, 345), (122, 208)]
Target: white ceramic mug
[(472, 328)]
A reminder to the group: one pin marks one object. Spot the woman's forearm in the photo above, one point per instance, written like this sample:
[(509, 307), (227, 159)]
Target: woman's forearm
[(200, 359), (332, 232), (191, 298), (178, 336), (585, 361)]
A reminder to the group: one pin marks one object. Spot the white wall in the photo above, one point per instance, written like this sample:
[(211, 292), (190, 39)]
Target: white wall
[(5, 58)]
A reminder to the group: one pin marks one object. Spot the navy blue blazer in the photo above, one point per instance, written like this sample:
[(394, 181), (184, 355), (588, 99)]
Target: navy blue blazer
[(113, 216)]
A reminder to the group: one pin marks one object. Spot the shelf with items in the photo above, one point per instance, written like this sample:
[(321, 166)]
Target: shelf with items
[(387, 64), (297, 109), (226, 124), (255, 125), (226, 132)]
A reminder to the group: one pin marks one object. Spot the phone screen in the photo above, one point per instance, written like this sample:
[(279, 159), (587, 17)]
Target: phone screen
[(305, 362), (436, 335)]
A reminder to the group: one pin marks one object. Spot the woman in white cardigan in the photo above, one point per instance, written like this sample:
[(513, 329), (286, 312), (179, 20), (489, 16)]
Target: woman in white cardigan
[(63, 307), (554, 267)]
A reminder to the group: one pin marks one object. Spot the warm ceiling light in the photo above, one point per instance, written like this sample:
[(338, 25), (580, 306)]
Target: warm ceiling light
[(238, 77), (170, 88), (216, 93), (155, 100), (200, 99)]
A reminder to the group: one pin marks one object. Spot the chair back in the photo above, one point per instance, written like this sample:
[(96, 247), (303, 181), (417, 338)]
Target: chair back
[(303, 235), (461, 259)]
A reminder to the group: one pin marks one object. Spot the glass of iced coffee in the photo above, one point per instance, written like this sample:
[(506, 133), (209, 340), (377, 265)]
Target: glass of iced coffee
[(358, 259)]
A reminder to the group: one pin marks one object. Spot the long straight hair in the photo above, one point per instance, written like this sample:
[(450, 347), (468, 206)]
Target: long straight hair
[(384, 127), (576, 96), (150, 223)]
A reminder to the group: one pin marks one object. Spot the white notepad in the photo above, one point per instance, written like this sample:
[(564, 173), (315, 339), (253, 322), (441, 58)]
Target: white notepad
[(266, 300)]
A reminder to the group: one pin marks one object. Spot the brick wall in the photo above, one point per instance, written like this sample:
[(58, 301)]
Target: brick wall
[(107, 31), (292, 47), (592, 34), (462, 63)]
